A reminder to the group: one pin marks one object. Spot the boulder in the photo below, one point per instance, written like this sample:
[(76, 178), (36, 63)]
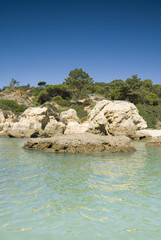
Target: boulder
[(19, 130), (6, 116), (76, 128), (68, 116), (117, 117), (54, 127), (86, 127)]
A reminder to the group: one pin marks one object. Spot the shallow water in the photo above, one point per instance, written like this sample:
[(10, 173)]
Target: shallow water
[(50, 196)]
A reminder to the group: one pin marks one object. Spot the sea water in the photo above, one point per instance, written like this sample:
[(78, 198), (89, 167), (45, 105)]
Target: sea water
[(49, 196)]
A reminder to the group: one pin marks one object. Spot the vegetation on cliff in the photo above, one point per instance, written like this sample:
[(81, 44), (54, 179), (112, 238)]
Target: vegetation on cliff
[(79, 85), (10, 105)]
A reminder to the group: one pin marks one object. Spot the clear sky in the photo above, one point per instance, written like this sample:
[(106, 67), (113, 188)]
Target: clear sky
[(109, 39)]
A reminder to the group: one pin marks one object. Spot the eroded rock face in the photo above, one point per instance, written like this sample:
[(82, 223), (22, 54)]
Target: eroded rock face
[(117, 117), (6, 118), (2, 118), (107, 117), (54, 127), (34, 122), (36, 117), (69, 116), (82, 143)]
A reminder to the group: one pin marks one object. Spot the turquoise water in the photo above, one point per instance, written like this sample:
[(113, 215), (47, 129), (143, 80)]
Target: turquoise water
[(79, 196)]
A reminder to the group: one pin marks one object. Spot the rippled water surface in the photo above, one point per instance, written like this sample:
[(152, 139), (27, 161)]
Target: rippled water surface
[(79, 196)]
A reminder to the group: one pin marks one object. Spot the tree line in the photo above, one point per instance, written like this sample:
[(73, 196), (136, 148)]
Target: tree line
[(79, 85)]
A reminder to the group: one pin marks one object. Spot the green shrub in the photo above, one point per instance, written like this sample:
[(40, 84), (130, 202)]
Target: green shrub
[(82, 114), (151, 99), (11, 105), (37, 91), (51, 91), (50, 106), (63, 103), (151, 114), (56, 98)]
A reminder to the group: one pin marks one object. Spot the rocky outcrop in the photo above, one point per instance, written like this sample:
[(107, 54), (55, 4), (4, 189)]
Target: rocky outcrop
[(30, 123), (82, 143), (69, 116), (6, 118), (117, 117), (2, 117), (34, 122), (54, 127), (106, 118)]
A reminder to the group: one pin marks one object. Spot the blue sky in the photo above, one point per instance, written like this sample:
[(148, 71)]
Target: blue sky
[(112, 39)]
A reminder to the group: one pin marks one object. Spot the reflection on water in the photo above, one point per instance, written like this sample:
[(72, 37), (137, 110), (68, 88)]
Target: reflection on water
[(79, 196)]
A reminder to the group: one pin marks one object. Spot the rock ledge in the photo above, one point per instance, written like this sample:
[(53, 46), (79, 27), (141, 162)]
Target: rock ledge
[(154, 142), (82, 143)]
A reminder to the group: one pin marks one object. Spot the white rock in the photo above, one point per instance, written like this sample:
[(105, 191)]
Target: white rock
[(35, 111), (6, 117), (118, 117), (34, 119), (2, 118), (76, 128), (148, 133), (68, 116), (54, 128), (19, 130)]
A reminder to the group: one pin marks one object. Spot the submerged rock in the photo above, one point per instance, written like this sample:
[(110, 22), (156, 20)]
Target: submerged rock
[(82, 143)]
